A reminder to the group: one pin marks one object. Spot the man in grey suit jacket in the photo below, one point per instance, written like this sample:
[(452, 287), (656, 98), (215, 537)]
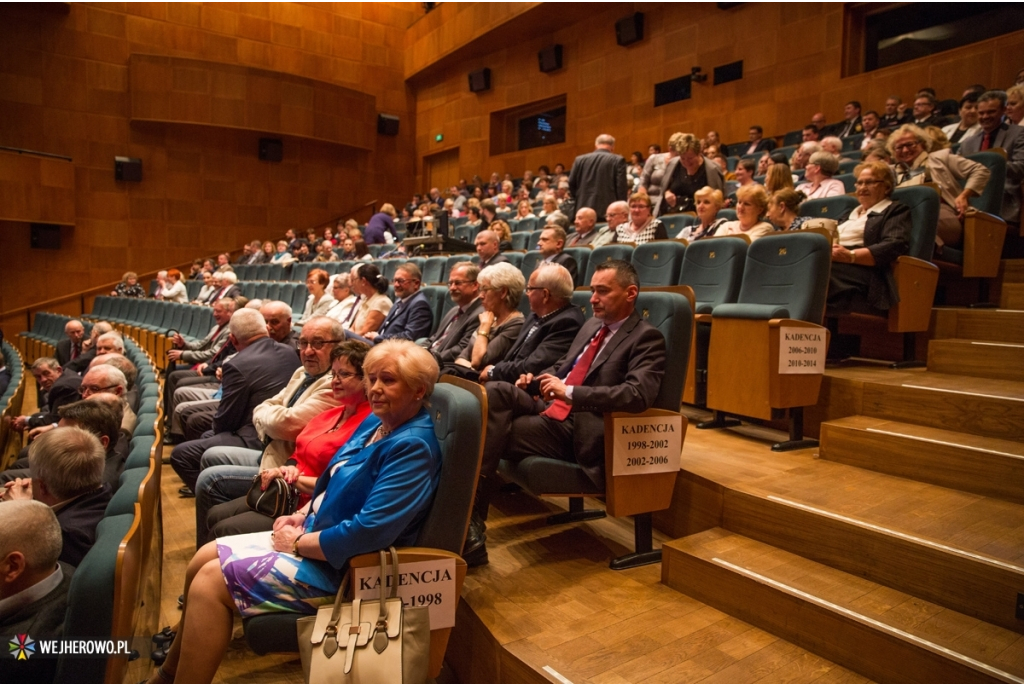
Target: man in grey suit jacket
[(557, 414), (488, 249), (187, 354), (461, 321), (598, 178), (996, 132)]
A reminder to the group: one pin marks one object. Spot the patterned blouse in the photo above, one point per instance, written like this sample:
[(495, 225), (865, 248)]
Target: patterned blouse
[(124, 290), (652, 230)]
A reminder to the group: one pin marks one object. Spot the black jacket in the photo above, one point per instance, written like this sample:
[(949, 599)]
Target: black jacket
[(598, 179), (546, 346), (887, 237)]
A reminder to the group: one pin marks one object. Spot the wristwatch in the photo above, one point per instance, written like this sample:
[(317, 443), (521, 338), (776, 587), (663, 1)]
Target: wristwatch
[(295, 545)]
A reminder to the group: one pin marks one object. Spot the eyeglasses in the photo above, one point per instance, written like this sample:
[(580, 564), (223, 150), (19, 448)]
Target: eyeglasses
[(345, 375), (403, 281), (531, 288), (93, 389), (315, 344), (865, 184), (458, 284), (906, 146)]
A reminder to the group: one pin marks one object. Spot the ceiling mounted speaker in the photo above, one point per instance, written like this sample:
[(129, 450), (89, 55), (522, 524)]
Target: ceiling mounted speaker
[(479, 81), (550, 58), (271, 150), (127, 169), (629, 30), (387, 125)]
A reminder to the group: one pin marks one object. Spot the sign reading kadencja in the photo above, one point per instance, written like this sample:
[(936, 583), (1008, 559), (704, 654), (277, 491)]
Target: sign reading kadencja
[(23, 647), (422, 583), (802, 350), (646, 444)]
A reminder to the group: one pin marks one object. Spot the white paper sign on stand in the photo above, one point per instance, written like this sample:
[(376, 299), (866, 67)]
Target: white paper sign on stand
[(423, 583), (802, 350), (647, 444)]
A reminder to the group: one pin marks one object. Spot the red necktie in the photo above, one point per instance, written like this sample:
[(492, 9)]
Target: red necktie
[(559, 410), (74, 351), (986, 140)]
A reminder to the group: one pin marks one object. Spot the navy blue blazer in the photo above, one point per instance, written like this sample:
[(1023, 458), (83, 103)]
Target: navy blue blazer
[(255, 374), (379, 495), (411, 319)]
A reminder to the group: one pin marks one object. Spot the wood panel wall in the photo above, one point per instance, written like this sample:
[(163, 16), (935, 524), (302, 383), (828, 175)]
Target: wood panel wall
[(791, 56), (65, 89), (36, 189)]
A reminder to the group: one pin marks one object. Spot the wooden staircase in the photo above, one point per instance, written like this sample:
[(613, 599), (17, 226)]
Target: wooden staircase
[(896, 550)]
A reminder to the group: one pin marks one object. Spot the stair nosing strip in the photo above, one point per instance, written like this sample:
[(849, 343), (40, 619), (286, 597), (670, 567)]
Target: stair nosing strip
[(943, 442), (556, 675), (962, 392), (996, 344), (885, 627), (905, 536)]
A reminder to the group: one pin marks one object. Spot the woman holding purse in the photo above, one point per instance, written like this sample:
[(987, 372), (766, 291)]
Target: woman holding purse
[(375, 492)]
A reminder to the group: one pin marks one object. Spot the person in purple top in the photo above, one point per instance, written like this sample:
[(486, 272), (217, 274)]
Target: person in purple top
[(379, 223)]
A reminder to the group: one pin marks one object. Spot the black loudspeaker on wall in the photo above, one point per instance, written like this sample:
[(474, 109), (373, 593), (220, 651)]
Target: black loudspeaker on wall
[(387, 125), (629, 30), (271, 149), (45, 236), (480, 81), (127, 169), (550, 58)]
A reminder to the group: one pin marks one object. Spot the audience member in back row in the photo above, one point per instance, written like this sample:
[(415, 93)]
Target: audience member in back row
[(344, 298), (319, 440), (686, 174), (968, 124), (996, 132), (66, 466), (615, 363), (819, 171), (319, 301), (171, 288), (751, 204), (548, 330), (34, 586), (129, 286), (488, 248), (380, 228), (959, 179), (411, 316), (73, 344), (642, 226), (459, 324), (372, 305), (226, 472), (260, 369), (380, 498), (501, 287)]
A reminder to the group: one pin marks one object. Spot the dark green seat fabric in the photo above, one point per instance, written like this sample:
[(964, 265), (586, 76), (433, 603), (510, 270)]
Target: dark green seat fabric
[(459, 430), (607, 253), (659, 262), (521, 240), (528, 225), (433, 269), (924, 215), (784, 276), (530, 261), (714, 269), (515, 258), (123, 501), (727, 214), (676, 222), (582, 257), (829, 207), (436, 295), (991, 200), (847, 180)]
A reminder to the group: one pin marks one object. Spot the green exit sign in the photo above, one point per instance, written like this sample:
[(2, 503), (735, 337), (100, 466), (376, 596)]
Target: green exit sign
[(438, 138)]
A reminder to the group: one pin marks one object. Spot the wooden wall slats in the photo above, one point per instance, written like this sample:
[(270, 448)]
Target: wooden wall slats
[(36, 189)]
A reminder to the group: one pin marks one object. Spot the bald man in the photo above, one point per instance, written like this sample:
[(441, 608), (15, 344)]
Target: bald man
[(587, 233), (71, 347)]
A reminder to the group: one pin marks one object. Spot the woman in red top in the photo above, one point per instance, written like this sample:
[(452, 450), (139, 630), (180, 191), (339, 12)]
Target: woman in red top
[(314, 447)]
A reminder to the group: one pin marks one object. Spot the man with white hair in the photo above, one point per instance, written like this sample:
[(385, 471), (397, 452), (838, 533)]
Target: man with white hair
[(106, 378), (802, 155), (73, 344), (260, 369), (34, 584), (66, 466), (832, 144), (110, 343), (598, 178)]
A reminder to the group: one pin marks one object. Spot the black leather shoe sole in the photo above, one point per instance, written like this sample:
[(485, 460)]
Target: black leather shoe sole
[(186, 491), (476, 557)]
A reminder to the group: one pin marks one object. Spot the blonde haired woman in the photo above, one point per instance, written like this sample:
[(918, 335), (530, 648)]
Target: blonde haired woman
[(751, 204)]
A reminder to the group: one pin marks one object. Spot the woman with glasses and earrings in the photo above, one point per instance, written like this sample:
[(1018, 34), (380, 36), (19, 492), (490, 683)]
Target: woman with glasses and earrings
[(958, 179), (372, 305), (871, 237), (501, 288), (818, 174)]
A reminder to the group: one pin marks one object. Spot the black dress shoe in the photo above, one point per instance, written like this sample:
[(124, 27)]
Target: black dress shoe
[(181, 601), (159, 656), (475, 550), (186, 491), (477, 557), (164, 638)]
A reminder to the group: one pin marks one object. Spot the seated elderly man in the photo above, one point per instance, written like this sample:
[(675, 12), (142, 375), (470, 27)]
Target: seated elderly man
[(66, 467), (59, 387), (460, 323), (959, 179), (110, 343), (998, 131), (34, 585), (802, 155), (615, 363), (72, 345), (587, 233), (107, 378), (260, 369), (227, 472), (131, 374), (187, 355), (551, 243), (80, 364), (549, 330)]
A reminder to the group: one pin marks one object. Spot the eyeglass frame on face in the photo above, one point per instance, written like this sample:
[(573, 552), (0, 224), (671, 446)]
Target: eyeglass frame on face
[(95, 389), (531, 288), (315, 344), (403, 281), (910, 144), (345, 375), (867, 184), (458, 284)]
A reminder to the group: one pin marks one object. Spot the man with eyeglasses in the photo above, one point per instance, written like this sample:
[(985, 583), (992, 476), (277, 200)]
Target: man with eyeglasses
[(551, 243), (587, 233), (461, 321), (260, 369), (410, 317), (226, 472), (548, 331)]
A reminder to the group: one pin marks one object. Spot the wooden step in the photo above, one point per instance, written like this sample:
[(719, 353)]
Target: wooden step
[(1012, 296), (978, 358), (872, 629), (1011, 271), (979, 406), (1000, 325), (987, 466)]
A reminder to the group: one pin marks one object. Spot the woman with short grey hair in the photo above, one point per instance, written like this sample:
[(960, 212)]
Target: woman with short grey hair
[(501, 287), (818, 177)]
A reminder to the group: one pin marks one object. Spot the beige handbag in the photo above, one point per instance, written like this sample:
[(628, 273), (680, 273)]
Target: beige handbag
[(827, 227), (371, 641)]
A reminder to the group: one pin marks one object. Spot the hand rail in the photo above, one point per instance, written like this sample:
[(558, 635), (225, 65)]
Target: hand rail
[(21, 151)]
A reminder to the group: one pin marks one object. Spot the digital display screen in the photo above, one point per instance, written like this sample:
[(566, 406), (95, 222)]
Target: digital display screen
[(545, 128)]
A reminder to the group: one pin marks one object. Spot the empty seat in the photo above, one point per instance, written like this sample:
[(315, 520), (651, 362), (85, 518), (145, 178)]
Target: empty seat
[(658, 262), (434, 269), (607, 253)]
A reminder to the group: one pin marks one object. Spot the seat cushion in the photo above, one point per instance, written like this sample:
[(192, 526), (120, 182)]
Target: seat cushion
[(540, 476)]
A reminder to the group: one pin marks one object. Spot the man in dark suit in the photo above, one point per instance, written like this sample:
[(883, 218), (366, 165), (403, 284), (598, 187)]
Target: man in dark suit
[(551, 243), (71, 347), (488, 249), (548, 331), (66, 464), (411, 317), (998, 132), (260, 369), (60, 388), (186, 355), (35, 585), (924, 113), (758, 143), (460, 322), (226, 287), (615, 363), (851, 123), (598, 178)]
